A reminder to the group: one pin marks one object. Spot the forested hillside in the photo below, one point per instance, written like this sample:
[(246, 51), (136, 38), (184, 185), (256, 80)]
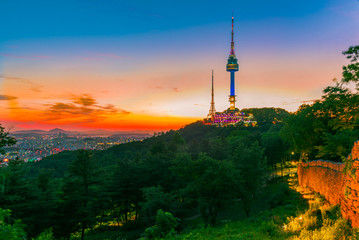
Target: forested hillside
[(198, 169), (159, 185)]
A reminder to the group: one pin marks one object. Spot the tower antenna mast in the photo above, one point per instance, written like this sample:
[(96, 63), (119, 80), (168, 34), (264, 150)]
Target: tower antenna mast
[(212, 110), (232, 42)]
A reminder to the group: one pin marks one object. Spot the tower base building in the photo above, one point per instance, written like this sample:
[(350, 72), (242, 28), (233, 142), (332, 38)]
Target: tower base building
[(233, 117), (230, 118)]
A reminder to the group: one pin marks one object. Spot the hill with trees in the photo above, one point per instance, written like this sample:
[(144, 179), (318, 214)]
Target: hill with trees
[(198, 169), (168, 182)]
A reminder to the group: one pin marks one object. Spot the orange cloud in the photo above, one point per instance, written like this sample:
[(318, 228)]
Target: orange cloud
[(82, 109), (85, 100), (7, 97)]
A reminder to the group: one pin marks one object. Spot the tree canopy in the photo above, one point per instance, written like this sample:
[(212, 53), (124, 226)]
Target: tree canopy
[(328, 127)]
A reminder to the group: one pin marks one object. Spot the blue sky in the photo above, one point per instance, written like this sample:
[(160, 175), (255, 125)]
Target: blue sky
[(155, 57), (42, 19)]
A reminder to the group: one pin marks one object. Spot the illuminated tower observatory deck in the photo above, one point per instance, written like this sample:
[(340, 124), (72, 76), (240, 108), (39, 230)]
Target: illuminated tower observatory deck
[(232, 67)]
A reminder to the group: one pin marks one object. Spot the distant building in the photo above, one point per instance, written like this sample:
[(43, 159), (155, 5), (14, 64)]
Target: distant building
[(231, 116)]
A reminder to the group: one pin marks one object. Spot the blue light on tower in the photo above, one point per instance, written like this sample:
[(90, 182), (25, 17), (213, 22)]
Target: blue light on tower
[(232, 67)]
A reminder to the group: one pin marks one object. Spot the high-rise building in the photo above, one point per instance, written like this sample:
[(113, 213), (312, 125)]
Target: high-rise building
[(231, 116), (232, 67)]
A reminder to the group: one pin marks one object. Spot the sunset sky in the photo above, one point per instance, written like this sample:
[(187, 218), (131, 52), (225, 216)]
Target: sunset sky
[(146, 65)]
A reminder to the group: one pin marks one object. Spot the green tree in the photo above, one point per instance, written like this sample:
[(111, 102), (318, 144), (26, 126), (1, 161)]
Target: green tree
[(219, 149), (5, 139), (328, 127), (33, 200), (251, 164), (80, 195), (351, 71), (46, 235), (17, 192), (177, 143), (165, 224), (274, 147), (302, 131), (13, 231), (208, 182), (266, 117), (45, 203), (125, 188), (154, 199)]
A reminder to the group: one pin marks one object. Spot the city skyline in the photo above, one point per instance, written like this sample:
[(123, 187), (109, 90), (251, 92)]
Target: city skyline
[(147, 66)]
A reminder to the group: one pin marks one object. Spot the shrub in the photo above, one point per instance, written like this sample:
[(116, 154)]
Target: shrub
[(305, 221), (340, 229), (332, 212), (320, 223), (331, 230), (12, 231), (269, 227), (46, 235), (310, 222), (165, 224)]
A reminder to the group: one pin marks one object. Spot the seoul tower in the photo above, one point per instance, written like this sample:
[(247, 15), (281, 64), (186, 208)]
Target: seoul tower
[(232, 67), (212, 110)]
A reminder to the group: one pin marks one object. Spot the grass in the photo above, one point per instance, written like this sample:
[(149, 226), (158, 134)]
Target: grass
[(283, 211), (113, 233), (288, 216), (269, 213)]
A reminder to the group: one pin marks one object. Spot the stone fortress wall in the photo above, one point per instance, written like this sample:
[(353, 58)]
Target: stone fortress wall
[(338, 187)]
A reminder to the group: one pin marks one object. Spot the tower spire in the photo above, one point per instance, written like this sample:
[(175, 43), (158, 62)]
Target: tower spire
[(212, 110), (232, 42)]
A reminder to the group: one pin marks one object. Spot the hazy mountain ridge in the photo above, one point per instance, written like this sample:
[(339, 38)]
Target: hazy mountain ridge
[(97, 132)]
